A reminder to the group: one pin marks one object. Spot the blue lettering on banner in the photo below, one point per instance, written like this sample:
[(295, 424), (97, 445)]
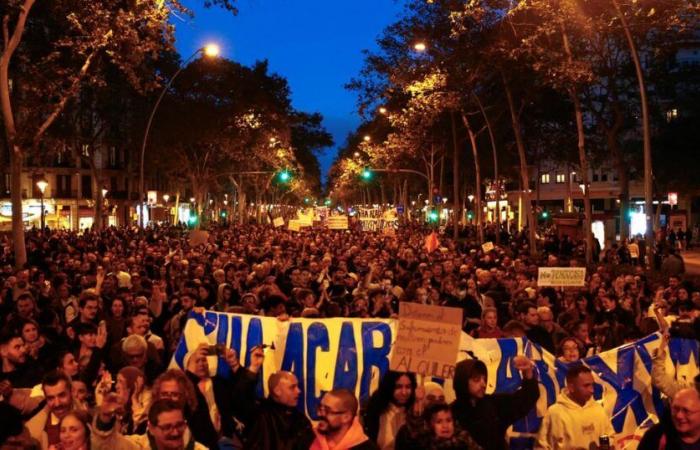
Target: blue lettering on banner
[(302, 347), (374, 356), (623, 383), (293, 360), (317, 336), (345, 375)]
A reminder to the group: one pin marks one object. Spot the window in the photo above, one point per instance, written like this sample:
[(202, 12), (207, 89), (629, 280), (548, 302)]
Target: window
[(63, 186), (86, 185), (544, 178), (6, 183), (595, 176), (85, 150), (112, 156), (604, 176), (671, 115), (561, 178)]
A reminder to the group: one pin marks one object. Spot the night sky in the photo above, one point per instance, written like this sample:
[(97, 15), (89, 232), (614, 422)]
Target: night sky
[(315, 44)]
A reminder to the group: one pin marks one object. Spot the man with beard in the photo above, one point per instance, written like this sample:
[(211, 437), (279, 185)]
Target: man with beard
[(277, 424), (45, 425), (338, 425), (15, 371)]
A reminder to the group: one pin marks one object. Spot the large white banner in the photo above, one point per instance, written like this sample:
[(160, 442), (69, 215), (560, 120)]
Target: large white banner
[(354, 353)]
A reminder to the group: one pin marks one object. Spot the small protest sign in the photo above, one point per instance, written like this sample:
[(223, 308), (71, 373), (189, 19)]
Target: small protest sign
[(487, 246), (278, 222), (561, 276), (338, 223)]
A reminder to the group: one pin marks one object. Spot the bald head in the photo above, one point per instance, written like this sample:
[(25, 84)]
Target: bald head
[(685, 412), (284, 388)]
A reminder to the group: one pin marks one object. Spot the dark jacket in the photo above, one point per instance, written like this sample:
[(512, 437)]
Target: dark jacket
[(661, 436), (231, 396), (278, 427), (488, 418)]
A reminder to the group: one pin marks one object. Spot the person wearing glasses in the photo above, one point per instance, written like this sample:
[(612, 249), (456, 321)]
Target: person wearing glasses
[(338, 426), (166, 429), (682, 431)]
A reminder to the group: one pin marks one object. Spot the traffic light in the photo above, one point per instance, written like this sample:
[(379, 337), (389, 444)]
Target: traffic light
[(223, 214), (284, 176), (433, 216), (470, 215), (544, 215), (366, 174), (192, 220), (327, 202)]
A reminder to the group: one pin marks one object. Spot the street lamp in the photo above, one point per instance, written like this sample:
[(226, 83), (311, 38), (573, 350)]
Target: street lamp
[(42, 184), (382, 110), (166, 197), (420, 46), (210, 50), (367, 138)]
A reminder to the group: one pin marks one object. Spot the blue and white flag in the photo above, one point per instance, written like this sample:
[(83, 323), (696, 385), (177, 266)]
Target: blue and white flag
[(327, 354)]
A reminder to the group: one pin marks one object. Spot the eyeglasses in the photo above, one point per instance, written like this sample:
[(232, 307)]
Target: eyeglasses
[(684, 411), (167, 428), (326, 411)]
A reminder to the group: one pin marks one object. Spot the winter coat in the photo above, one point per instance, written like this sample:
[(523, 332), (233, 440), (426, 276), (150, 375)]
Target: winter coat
[(278, 427)]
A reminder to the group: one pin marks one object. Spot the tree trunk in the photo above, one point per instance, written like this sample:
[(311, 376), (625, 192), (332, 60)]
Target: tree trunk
[(457, 211), (525, 179), (16, 156), (477, 172), (583, 157), (496, 181), (646, 129)]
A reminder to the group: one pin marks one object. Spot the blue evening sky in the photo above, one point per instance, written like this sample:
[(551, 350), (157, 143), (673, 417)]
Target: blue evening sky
[(315, 44)]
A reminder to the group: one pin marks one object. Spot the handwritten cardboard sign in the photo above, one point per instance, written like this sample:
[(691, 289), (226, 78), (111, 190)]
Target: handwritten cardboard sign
[(294, 225), (427, 342), (561, 276), (487, 246), (278, 222), (338, 223)]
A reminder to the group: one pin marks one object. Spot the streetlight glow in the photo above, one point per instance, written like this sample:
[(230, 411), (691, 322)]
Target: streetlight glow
[(212, 50), (166, 197), (382, 110), (367, 138), (42, 185), (420, 46)]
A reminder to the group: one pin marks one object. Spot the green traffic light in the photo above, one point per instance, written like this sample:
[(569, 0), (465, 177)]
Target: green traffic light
[(192, 219), (284, 176), (366, 174), (470, 215), (223, 213), (433, 216), (545, 214), (327, 202)]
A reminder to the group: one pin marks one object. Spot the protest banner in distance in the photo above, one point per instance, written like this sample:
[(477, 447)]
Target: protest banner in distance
[(294, 225), (278, 222), (427, 342), (561, 276), (198, 237), (305, 219), (338, 223), (487, 246)]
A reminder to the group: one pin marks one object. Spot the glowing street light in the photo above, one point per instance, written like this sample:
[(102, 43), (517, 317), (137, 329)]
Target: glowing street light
[(42, 184), (356, 154), (382, 110), (420, 46), (367, 138), (210, 50), (166, 197)]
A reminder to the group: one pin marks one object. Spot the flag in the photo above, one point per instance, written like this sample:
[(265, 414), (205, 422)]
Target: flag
[(431, 242)]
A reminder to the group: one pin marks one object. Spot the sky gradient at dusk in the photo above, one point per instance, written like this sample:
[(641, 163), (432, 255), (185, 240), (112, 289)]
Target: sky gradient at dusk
[(315, 44)]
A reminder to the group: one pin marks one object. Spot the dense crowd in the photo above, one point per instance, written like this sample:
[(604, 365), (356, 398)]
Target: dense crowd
[(90, 324)]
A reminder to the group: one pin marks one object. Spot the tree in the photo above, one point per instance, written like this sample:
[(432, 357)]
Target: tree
[(42, 69)]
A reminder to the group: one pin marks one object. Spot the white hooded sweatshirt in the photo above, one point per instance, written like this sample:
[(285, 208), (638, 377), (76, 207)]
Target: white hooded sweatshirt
[(570, 426)]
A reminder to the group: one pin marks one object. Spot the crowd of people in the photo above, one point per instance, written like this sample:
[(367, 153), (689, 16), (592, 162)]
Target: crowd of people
[(90, 324)]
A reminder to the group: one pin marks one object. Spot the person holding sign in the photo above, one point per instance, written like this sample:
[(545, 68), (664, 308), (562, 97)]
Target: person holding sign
[(487, 416)]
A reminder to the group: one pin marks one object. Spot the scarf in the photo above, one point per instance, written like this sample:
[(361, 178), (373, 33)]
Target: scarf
[(354, 436)]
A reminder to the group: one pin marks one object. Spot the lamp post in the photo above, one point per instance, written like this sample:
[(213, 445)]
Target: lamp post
[(210, 50), (106, 208), (42, 184), (166, 197)]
